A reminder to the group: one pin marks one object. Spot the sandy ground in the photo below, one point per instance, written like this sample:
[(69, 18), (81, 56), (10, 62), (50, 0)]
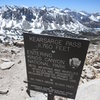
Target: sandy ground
[(12, 79)]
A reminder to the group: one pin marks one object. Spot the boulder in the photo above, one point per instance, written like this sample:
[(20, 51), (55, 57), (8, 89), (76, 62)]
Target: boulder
[(97, 65), (89, 91), (19, 43), (6, 65), (90, 74)]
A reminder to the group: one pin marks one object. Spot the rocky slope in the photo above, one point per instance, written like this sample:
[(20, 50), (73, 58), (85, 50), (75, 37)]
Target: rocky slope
[(13, 73)]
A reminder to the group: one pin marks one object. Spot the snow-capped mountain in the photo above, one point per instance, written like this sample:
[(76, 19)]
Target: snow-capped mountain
[(14, 19)]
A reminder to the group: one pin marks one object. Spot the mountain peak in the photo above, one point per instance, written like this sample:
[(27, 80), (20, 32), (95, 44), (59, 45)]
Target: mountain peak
[(67, 10), (46, 18)]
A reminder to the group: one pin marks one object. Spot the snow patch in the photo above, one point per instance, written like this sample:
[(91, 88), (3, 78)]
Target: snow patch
[(93, 18), (82, 13)]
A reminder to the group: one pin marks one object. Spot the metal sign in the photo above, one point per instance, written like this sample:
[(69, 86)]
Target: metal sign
[(54, 64)]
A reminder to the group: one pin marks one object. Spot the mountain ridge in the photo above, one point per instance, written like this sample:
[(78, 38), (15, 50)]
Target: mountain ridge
[(15, 19), (49, 15)]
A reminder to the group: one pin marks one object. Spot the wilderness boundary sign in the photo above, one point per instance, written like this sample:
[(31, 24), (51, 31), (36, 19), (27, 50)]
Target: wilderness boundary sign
[(54, 64)]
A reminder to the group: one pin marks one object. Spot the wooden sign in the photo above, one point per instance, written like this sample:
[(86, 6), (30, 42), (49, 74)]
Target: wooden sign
[(54, 64)]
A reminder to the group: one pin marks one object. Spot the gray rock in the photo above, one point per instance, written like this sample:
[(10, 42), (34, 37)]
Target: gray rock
[(84, 80), (19, 44), (4, 92), (5, 60), (83, 75), (6, 65), (97, 65), (90, 74)]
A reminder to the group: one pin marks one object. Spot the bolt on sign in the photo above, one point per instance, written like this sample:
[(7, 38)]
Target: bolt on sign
[(54, 64)]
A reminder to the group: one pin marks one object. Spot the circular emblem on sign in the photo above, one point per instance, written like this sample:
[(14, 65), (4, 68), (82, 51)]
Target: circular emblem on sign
[(74, 62)]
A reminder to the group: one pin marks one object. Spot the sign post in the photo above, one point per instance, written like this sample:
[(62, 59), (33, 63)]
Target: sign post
[(54, 64), (50, 97)]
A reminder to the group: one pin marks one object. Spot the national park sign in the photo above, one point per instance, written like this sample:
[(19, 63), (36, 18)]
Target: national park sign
[(54, 64)]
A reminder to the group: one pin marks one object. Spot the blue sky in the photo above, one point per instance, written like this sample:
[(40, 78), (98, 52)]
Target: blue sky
[(77, 5)]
